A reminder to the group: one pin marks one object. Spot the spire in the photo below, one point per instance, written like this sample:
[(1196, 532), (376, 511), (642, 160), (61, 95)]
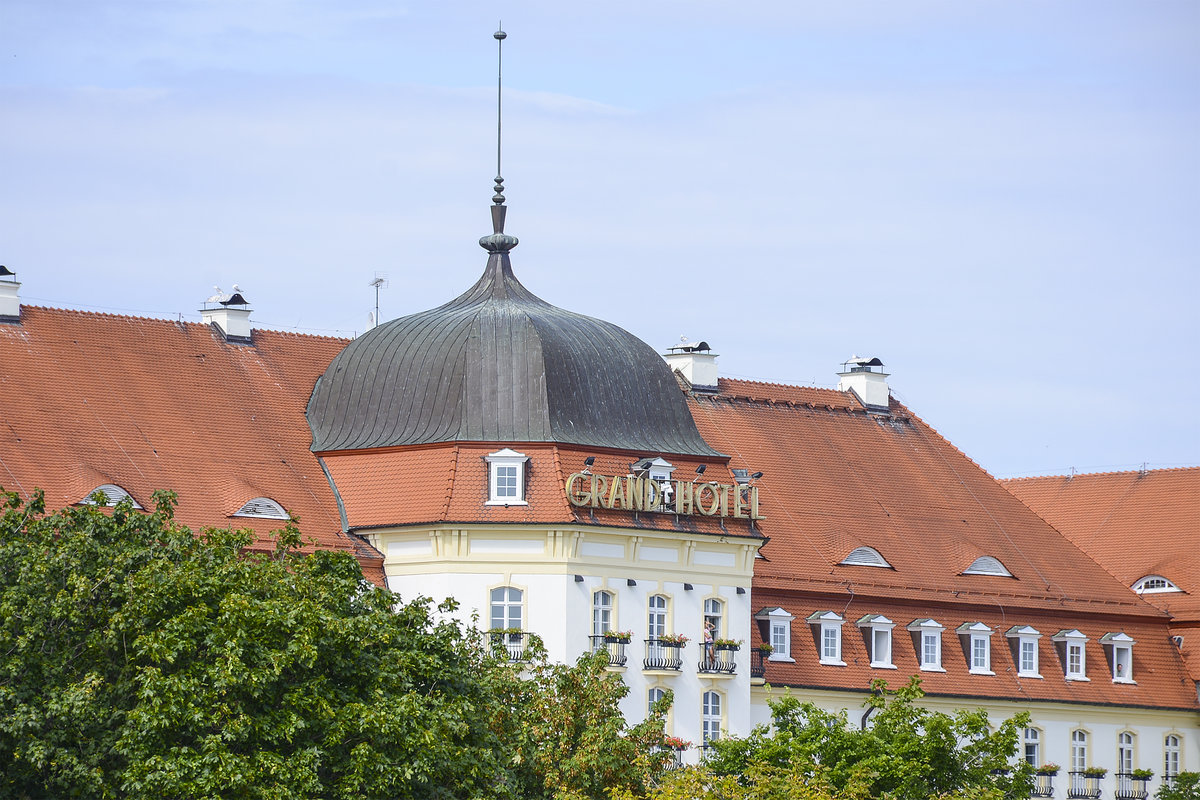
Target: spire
[(498, 241)]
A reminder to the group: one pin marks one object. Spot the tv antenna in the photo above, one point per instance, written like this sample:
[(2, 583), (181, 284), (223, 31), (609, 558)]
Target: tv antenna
[(381, 281)]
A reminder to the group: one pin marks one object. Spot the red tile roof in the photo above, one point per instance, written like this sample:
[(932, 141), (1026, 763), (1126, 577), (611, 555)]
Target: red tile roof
[(150, 404)]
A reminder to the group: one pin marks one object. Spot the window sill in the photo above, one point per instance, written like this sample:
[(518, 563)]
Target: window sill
[(829, 663), (788, 659), (1125, 680), (881, 665), (1082, 678), (974, 671), (931, 668), (506, 503), (1029, 675)]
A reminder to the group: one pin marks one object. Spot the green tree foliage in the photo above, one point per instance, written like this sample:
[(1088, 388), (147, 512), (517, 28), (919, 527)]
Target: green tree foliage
[(907, 752), (1186, 786), (139, 660)]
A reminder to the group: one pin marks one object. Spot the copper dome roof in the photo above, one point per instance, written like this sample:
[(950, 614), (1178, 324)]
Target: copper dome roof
[(500, 364)]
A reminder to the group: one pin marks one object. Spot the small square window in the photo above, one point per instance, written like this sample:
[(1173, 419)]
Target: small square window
[(828, 626), (506, 478), (978, 641)]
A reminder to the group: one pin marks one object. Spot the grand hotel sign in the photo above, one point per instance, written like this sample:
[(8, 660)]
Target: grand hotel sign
[(633, 493)]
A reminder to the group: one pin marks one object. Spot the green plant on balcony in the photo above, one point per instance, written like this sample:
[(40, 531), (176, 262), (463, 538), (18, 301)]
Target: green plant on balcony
[(765, 649), (1095, 772), (673, 639), (1048, 769), (727, 644), (618, 636), (1142, 774)]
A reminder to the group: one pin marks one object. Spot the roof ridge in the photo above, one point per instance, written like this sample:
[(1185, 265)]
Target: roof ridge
[(174, 321), (780, 384), (1121, 472)]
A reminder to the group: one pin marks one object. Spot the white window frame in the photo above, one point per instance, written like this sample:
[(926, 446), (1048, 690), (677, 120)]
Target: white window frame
[(928, 632), (1172, 755), (658, 616), (1027, 642), (865, 557), (113, 494), (829, 629), (499, 463), (1073, 641), (1150, 584), (1126, 751), (600, 624), (506, 603), (712, 716), (262, 508), (1079, 750), (1121, 645), (979, 639), (778, 622), (988, 565), (1032, 737), (880, 639)]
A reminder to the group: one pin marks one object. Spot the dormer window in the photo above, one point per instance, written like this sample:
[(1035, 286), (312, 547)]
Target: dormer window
[(865, 557), (1025, 645), (506, 478), (113, 494), (1074, 656), (656, 469), (927, 635), (978, 640), (828, 627), (878, 630), (778, 632), (1120, 655), (986, 565), (263, 508), (1153, 584)]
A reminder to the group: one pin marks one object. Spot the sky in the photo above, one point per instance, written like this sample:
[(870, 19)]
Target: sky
[(1001, 200)]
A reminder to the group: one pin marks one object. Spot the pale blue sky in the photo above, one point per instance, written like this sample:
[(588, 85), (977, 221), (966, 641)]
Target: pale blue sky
[(999, 199)]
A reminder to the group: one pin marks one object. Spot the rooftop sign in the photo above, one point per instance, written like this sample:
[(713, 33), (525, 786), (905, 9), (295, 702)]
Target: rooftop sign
[(631, 493)]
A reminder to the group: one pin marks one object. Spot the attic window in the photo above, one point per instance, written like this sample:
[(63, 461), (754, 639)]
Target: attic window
[(986, 565), (506, 478), (262, 507), (1120, 655), (113, 494), (865, 557), (1152, 584)]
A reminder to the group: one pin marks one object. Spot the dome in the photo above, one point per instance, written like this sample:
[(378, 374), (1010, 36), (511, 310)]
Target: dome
[(500, 364)]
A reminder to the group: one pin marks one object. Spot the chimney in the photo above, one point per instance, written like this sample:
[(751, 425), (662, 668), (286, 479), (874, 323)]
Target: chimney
[(10, 296), (696, 362), (230, 314), (866, 378)]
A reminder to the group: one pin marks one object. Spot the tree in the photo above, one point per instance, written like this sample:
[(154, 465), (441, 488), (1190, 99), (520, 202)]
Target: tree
[(907, 752), (1185, 786), (140, 660)]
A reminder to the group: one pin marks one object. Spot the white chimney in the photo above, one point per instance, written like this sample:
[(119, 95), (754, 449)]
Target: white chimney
[(230, 313), (866, 378), (10, 296), (696, 362)]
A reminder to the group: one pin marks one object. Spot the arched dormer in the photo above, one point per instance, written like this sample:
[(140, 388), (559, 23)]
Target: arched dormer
[(987, 565), (865, 557), (1152, 584), (113, 494), (262, 508)]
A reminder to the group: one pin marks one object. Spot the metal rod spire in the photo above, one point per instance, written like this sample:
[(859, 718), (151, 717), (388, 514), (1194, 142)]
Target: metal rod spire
[(500, 36)]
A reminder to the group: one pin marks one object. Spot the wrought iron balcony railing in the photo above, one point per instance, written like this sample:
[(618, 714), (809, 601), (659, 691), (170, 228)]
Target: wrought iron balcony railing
[(1043, 786), (615, 648), (663, 655), (758, 663), (1131, 788), (1082, 785), (717, 661), (509, 646)]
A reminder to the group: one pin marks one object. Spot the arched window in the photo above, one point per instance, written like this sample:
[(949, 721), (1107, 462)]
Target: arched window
[(113, 494), (714, 616), (262, 507), (711, 720), (1079, 751), (865, 557), (653, 696), (602, 612), (987, 565), (1171, 748), (1033, 747), (656, 616), (1125, 752), (1152, 584), (506, 607)]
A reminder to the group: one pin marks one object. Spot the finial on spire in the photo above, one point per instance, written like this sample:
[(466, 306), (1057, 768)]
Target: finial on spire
[(499, 241)]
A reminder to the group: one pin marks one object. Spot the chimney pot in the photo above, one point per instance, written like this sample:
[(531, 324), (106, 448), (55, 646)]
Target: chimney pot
[(230, 313), (696, 362), (866, 378)]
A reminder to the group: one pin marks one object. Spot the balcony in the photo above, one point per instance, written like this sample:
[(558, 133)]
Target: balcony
[(509, 645), (663, 655), (758, 663), (1083, 785), (719, 660), (1043, 786), (1131, 787), (613, 646)]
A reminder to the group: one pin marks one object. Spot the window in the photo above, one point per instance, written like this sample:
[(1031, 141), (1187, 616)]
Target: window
[(1074, 657), (1025, 642), (927, 635), (1152, 584), (711, 720), (829, 637), (778, 632), (506, 607), (865, 557), (879, 638), (656, 618), (506, 478), (1033, 747), (978, 639), (1119, 647), (1171, 748), (1125, 752), (1079, 751), (602, 612), (714, 616), (653, 696), (113, 494), (263, 507), (987, 565)]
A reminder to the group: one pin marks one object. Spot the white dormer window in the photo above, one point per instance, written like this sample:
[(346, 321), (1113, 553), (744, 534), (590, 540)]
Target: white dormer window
[(506, 478), (929, 644), (1025, 641), (1120, 646), (865, 557), (987, 565), (656, 469), (1153, 584), (779, 632), (979, 647), (829, 631), (113, 494), (1071, 644), (263, 508), (880, 639)]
